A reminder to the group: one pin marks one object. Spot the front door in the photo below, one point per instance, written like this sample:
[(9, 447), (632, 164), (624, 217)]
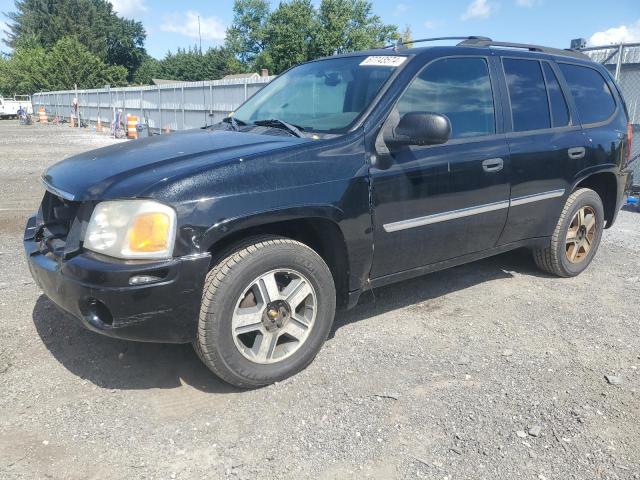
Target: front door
[(439, 202)]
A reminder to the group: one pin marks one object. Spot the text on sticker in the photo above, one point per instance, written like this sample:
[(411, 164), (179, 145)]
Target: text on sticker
[(383, 61)]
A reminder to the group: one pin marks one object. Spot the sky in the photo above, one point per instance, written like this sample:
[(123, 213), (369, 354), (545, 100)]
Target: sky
[(170, 24)]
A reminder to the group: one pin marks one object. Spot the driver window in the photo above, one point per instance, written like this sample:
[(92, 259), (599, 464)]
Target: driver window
[(459, 88)]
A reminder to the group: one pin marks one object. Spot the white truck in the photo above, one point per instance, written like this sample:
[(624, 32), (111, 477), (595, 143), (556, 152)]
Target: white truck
[(9, 106)]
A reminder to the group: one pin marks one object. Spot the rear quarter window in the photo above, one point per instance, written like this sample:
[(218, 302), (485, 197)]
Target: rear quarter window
[(591, 93)]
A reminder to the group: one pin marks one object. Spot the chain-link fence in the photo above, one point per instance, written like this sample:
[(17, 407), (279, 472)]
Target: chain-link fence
[(623, 61), (176, 106)]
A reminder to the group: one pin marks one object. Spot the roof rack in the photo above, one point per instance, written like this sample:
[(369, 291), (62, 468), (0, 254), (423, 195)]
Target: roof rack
[(486, 42), (400, 44)]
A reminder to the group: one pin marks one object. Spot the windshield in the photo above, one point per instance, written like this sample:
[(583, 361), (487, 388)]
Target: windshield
[(324, 96)]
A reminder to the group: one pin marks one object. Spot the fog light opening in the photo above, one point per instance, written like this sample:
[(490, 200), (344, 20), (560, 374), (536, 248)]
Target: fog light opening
[(97, 313)]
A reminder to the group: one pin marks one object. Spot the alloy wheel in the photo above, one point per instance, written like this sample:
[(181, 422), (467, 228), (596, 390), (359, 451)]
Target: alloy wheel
[(581, 234), (274, 315)]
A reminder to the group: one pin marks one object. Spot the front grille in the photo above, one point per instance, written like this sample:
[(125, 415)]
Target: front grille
[(58, 225)]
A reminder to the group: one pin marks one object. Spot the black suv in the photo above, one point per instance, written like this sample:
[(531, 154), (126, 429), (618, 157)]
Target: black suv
[(343, 174)]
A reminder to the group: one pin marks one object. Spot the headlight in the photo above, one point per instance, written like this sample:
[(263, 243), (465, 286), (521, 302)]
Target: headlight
[(132, 229)]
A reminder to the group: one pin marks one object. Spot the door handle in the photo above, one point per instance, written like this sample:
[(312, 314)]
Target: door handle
[(492, 165), (576, 153)]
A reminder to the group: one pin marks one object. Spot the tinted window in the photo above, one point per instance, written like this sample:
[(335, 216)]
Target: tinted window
[(590, 92), (529, 104), (459, 88), (559, 109)]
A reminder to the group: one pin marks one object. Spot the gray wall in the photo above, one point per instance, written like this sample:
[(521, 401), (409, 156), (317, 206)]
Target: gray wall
[(178, 106)]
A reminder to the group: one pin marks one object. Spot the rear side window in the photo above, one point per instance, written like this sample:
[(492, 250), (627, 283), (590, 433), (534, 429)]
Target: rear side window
[(459, 88), (559, 109), (590, 91), (529, 104)]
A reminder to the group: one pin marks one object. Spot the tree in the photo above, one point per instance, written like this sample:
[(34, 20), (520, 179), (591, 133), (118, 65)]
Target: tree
[(348, 26), (407, 37), (69, 62), (32, 68), (288, 35), (296, 31), (245, 36), (189, 65), (125, 45), (149, 69), (25, 71), (115, 40)]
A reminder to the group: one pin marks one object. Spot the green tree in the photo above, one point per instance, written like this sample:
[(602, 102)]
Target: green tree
[(245, 36), (149, 69), (288, 35), (25, 71), (296, 31), (32, 68), (70, 63), (190, 65), (115, 40), (407, 37), (350, 25)]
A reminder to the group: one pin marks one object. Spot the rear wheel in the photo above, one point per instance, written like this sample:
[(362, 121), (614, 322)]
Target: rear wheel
[(267, 308), (576, 237)]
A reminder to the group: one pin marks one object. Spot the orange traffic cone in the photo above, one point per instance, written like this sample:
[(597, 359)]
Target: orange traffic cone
[(132, 122), (42, 115), (98, 125)]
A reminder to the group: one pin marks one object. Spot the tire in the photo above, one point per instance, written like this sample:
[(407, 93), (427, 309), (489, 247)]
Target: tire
[(556, 258), (236, 279)]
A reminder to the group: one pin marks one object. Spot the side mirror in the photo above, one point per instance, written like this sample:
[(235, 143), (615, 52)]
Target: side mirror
[(420, 128)]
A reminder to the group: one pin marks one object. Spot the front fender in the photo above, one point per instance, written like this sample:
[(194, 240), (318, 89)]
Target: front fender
[(345, 203), (230, 226)]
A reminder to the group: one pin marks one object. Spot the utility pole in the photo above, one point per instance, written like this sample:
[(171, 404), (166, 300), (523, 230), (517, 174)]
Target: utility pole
[(199, 35)]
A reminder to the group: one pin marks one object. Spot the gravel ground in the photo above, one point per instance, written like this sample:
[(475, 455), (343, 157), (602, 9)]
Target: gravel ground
[(490, 370)]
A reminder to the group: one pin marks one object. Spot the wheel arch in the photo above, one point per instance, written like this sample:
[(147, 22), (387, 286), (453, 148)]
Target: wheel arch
[(316, 227), (605, 184)]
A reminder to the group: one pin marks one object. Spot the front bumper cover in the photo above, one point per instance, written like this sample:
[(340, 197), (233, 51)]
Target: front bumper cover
[(95, 290)]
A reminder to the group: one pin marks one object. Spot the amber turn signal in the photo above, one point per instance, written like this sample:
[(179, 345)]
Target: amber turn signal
[(150, 232)]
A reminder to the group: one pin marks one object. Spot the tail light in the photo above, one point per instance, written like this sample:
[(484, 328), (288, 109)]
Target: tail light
[(629, 140)]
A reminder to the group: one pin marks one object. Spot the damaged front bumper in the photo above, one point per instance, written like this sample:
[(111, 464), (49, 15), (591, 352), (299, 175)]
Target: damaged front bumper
[(97, 290)]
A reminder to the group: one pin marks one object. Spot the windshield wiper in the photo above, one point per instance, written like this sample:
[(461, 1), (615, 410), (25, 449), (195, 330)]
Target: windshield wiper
[(234, 123), (282, 125)]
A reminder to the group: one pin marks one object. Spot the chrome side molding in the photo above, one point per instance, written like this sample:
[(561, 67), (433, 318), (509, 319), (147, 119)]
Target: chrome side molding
[(467, 212), (536, 197), (444, 216)]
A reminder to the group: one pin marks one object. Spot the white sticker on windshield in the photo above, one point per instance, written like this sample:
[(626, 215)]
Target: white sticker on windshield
[(383, 61)]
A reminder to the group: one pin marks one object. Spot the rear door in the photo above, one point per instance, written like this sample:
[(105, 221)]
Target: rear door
[(438, 202), (545, 140), (604, 120)]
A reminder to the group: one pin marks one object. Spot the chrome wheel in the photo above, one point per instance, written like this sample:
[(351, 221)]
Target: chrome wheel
[(580, 234), (274, 316)]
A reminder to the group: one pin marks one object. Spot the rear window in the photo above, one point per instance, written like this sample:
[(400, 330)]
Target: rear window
[(590, 91), (529, 104)]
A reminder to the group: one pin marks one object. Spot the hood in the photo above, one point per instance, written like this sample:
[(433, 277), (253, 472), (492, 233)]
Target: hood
[(128, 169)]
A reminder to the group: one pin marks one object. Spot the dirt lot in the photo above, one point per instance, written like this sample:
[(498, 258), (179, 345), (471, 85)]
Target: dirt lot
[(490, 370)]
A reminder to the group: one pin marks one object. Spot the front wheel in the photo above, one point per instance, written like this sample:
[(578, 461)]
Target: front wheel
[(576, 237), (267, 308)]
